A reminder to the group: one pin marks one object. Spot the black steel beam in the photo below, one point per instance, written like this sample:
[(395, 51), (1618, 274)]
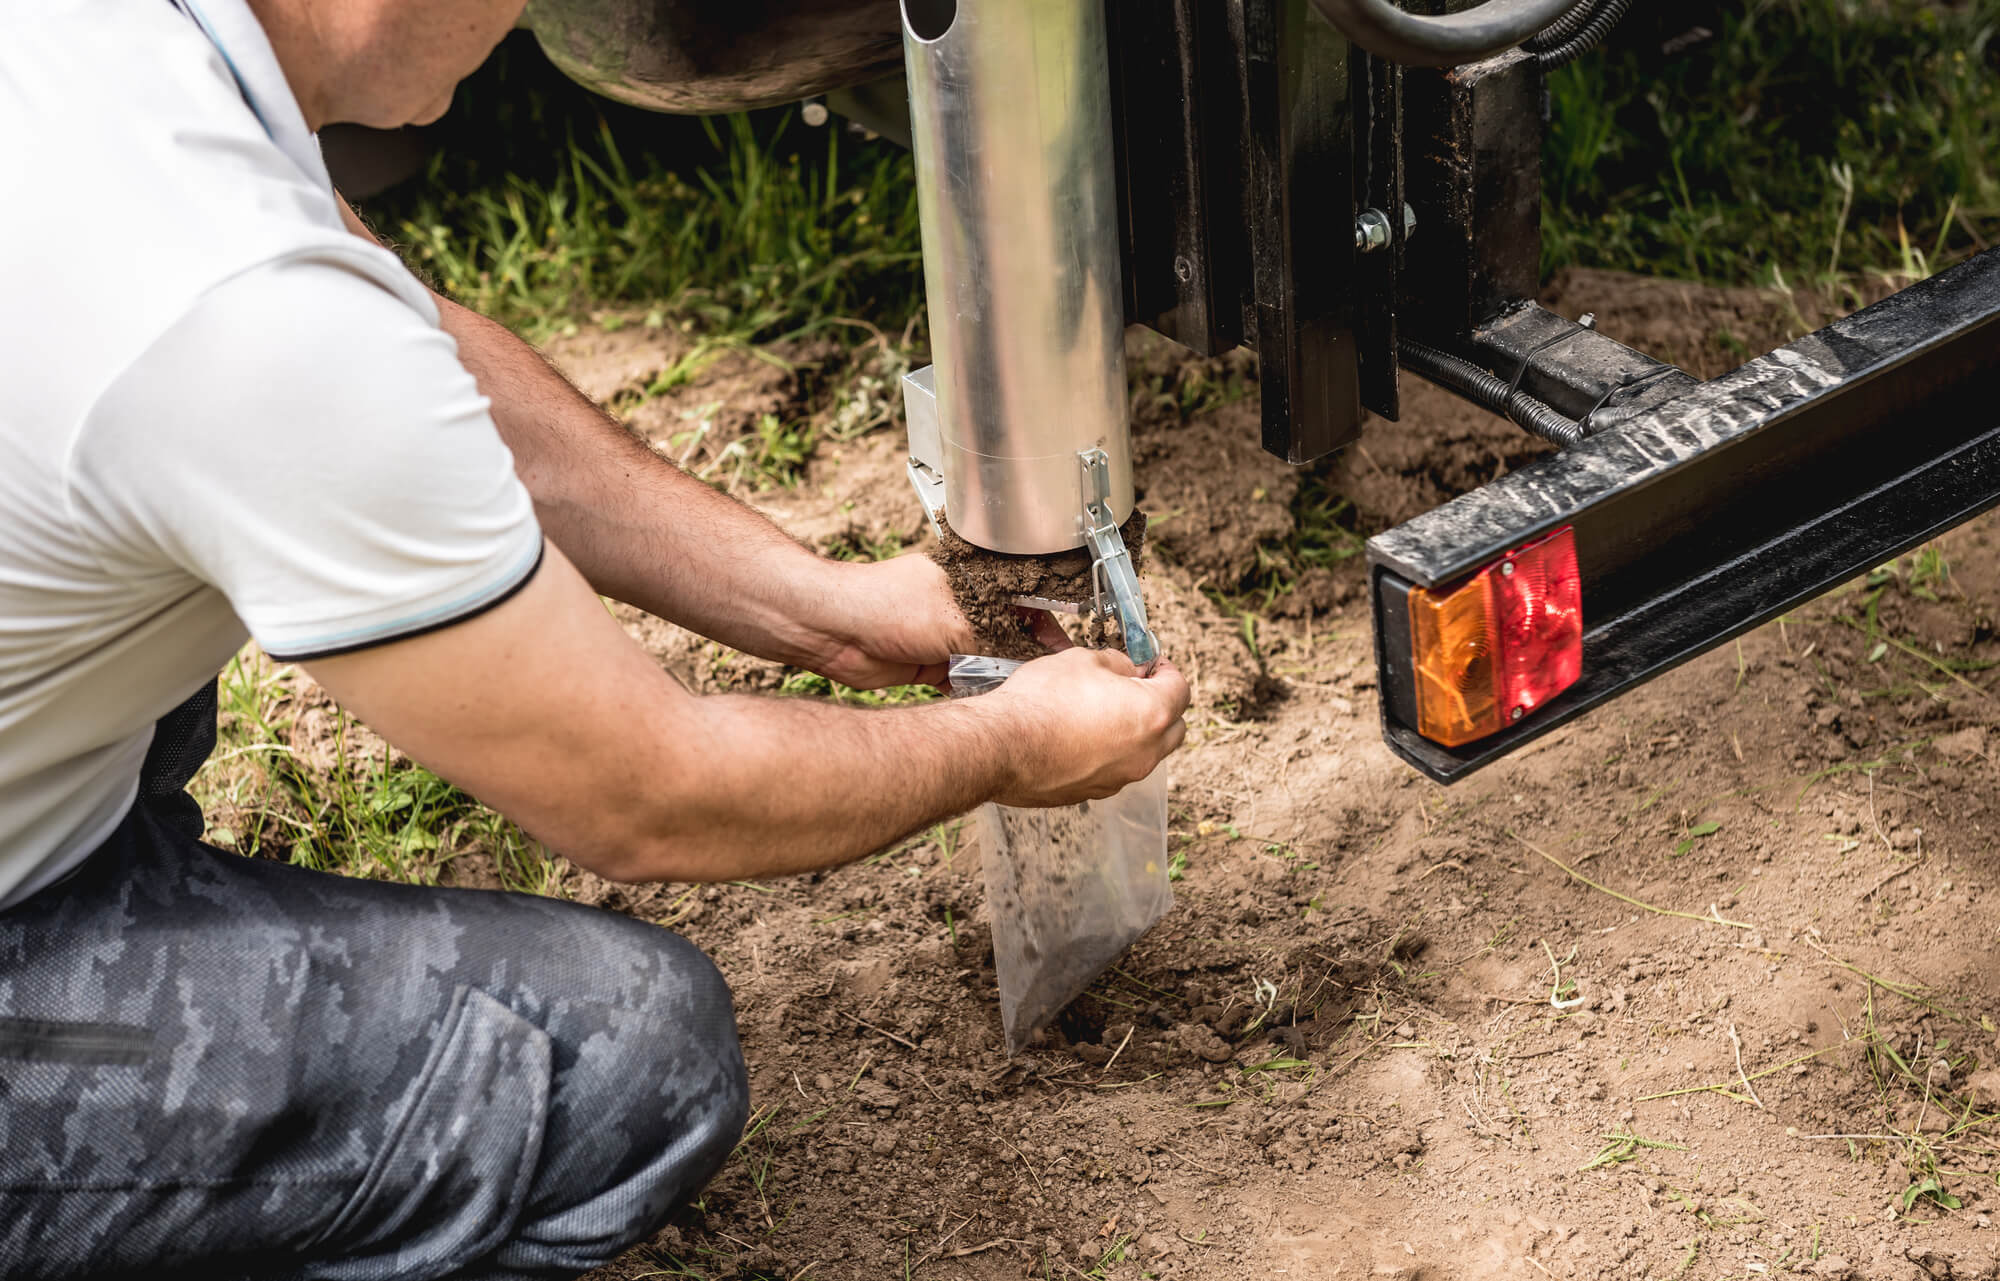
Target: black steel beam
[(1298, 201), (1236, 129), (1178, 116), (1474, 176), (1377, 90), (1705, 515)]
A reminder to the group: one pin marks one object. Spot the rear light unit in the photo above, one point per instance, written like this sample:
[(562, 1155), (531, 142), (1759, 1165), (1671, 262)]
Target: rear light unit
[(1490, 650)]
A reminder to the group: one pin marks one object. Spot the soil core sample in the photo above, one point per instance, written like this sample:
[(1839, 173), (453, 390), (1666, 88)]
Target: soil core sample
[(984, 584)]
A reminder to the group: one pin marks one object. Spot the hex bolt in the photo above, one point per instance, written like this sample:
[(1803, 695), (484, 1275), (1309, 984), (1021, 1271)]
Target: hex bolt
[(1371, 231), (1506, 569), (1519, 712)]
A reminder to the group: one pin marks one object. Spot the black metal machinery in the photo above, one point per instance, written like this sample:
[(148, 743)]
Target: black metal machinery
[(1264, 158), (1351, 218)]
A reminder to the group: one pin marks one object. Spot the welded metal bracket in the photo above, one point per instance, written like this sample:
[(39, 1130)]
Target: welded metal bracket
[(926, 446)]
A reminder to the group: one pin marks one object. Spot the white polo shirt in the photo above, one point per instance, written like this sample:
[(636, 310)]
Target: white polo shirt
[(221, 415)]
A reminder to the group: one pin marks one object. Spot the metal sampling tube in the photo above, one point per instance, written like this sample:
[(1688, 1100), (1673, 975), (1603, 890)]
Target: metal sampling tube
[(1010, 115)]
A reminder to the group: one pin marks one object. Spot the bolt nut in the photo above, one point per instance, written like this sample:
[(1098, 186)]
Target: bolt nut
[(1371, 231)]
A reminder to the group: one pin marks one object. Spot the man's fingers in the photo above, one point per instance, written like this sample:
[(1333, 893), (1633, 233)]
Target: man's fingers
[(1167, 679), (1114, 661)]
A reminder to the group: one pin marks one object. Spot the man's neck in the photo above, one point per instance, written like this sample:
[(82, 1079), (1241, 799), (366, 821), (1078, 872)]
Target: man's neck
[(302, 52)]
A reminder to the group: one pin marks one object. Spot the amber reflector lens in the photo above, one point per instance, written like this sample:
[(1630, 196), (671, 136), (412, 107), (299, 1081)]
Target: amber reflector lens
[(1499, 645)]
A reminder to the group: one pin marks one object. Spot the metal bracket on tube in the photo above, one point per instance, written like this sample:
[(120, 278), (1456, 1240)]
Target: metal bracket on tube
[(926, 472), (1111, 567)]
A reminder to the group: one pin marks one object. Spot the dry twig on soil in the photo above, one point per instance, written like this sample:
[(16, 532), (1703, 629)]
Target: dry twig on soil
[(1714, 917), (1736, 1042), (1722, 1087), (1907, 992)]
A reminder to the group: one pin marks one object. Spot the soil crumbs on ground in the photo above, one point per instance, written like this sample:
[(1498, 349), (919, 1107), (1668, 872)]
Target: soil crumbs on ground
[(1391, 1029)]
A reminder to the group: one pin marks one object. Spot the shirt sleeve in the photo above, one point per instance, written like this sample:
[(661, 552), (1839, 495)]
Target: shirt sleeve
[(308, 444)]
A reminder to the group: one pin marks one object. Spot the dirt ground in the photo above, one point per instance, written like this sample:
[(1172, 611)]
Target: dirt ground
[(1389, 1029)]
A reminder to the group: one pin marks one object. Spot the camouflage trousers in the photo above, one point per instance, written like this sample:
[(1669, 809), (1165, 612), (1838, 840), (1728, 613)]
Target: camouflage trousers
[(214, 1066)]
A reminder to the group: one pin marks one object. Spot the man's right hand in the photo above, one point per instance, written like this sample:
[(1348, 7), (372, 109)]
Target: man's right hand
[(1095, 725)]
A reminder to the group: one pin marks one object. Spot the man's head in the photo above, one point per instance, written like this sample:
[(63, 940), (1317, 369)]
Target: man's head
[(383, 63)]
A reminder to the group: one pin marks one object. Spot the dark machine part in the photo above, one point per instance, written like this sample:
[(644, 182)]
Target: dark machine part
[(1574, 369), (1250, 137), (1472, 34), (1559, 45), (1554, 31), (1474, 143), (697, 57)]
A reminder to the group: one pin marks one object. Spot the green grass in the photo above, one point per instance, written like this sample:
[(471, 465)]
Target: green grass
[(337, 807), (809, 684), (1810, 141), (1322, 536), (749, 238)]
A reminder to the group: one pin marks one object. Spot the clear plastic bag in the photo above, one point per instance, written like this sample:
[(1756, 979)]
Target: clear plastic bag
[(1068, 889)]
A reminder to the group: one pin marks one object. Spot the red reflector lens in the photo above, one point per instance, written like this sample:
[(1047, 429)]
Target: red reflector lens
[(1499, 645)]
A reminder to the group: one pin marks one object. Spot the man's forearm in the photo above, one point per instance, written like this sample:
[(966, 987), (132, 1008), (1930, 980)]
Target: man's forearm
[(790, 786), (639, 528)]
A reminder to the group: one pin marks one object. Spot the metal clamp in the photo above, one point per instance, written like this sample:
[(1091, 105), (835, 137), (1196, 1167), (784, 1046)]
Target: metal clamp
[(925, 468), (1111, 569)]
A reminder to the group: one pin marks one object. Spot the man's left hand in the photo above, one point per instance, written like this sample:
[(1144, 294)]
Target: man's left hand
[(889, 622)]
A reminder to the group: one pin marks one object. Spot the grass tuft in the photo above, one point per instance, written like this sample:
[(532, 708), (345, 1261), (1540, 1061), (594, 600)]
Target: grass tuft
[(1834, 143), (753, 240), (331, 796)]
